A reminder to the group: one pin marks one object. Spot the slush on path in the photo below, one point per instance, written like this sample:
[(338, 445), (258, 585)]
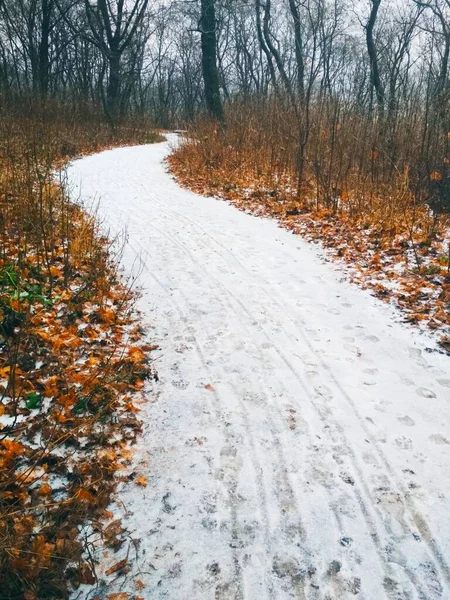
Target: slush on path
[(297, 444)]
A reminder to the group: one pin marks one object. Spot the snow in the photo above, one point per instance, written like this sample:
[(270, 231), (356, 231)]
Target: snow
[(298, 442)]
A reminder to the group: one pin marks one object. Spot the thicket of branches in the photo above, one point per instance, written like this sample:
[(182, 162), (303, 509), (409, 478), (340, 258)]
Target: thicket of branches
[(380, 67)]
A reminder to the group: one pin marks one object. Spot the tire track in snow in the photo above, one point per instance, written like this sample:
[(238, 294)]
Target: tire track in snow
[(363, 505), (257, 467), (414, 514), (289, 488), (360, 493), (240, 309)]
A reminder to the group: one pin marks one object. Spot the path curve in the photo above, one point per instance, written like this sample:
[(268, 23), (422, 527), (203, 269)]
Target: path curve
[(298, 443)]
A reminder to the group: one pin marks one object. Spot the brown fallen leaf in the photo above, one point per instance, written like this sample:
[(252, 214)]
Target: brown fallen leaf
[(117, 567), (45, 490), (149, 347), (142, 481), (209, 387), (139, 585), (118, 596), (86, 574), (113, 528)]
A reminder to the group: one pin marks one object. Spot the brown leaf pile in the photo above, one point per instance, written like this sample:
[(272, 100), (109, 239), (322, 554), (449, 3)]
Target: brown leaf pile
[(68, 376), (72, 364)]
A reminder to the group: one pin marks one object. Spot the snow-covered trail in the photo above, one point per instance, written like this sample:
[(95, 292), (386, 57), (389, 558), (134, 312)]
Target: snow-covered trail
[(298, 445)]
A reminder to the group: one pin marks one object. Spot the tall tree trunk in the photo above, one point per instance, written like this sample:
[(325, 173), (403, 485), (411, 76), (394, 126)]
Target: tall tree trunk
[(263, 45), (298, 49), (207, 28), (372, 51), (113, 89)]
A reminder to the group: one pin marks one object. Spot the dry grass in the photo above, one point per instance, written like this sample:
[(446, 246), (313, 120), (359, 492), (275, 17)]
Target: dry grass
[(71, 356), (365, 196)]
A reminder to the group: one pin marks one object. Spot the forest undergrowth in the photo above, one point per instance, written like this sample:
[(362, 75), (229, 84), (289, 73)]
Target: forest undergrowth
[(374, 214), (73, 362)]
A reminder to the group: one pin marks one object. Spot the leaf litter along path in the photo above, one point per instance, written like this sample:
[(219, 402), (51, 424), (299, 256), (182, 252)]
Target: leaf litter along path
[(298, 443)]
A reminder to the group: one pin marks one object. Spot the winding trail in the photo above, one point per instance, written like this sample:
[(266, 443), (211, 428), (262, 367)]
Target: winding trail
[(298, 443)]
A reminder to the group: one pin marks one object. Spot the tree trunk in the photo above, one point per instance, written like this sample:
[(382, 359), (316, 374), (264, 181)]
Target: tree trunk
[(298, 49), (113, 89), (274, 51), (207, 27), (371, 49)]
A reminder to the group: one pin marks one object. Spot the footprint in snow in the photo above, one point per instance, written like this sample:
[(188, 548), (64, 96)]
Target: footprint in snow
[(180, 384), (372, 338), (425, 393), (352, 349), (437, 438), (371, 371), (404, 443)]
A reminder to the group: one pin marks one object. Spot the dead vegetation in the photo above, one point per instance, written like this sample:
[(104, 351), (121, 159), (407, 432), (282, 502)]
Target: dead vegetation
[(374, 197), (72, 359)]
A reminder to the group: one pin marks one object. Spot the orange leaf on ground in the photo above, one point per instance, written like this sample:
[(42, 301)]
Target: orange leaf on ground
[(45, 490), (4, 372), (142, 481), (85, 495), (68, 400), (15, 305), (139, 384), (51, 386), (12, 447), (106, 314), (117, 567), (118, 596), (136, 354), (149, 347)]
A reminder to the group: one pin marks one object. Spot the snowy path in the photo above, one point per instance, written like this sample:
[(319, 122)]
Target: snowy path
[(318, 464)]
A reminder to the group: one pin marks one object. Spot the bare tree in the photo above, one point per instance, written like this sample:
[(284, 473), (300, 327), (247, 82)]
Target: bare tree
[(31, 22), (113, 26)]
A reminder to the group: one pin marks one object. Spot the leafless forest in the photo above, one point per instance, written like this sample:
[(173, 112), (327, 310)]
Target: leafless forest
[(357, 89)]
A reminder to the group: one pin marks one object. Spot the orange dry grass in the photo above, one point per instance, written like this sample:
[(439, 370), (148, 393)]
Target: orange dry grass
[(67, 371), (368, 213)]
